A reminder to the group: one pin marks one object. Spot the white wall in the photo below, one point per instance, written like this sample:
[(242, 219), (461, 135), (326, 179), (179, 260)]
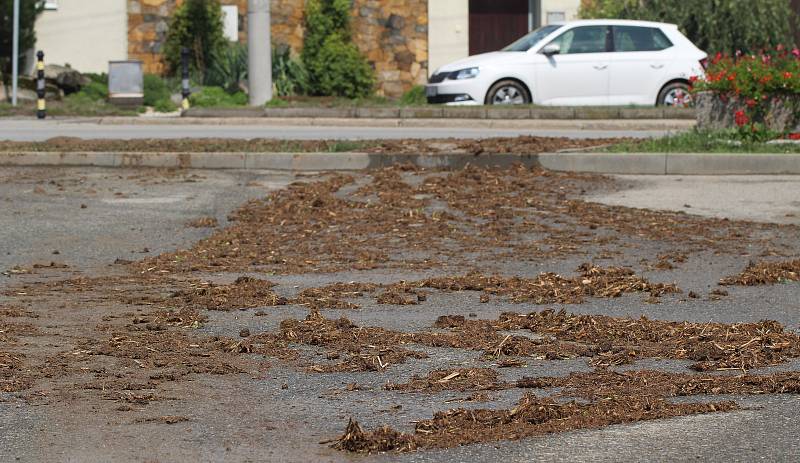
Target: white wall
[(448, 32), (568, 7), (87, 34)]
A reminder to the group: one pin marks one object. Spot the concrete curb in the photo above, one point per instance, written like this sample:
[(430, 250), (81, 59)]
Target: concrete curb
[(672, 163), (600, 163), (266, 161), (449, 112), (511, 124)]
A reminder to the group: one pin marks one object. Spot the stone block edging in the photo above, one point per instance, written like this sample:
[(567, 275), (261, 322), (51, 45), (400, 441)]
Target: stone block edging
[(449, 112), (600, 163)]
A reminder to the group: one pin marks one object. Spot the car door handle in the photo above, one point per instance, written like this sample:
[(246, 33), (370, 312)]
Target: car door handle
[(600, 67), (656, 66)]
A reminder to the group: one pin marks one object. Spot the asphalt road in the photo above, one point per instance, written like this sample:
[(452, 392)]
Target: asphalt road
[(32, 130), (773, 198), (243, 418)]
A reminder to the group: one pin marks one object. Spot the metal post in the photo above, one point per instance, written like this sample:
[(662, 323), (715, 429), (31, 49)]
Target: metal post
[(259, 47), (186, 91), (15, 55), (41, 104)]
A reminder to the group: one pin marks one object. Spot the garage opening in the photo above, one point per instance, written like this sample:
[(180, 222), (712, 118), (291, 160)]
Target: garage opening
[(493, 24)]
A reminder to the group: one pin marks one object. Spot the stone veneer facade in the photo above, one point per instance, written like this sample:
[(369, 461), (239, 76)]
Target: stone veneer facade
[(392, 34)]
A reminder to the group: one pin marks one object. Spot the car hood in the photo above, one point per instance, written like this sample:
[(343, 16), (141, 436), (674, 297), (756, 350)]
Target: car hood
[(485, 59)]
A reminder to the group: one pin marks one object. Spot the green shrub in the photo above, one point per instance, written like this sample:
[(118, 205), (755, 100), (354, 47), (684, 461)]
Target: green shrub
[(155, 90), (414, 97), (713, 25), (165, 106), (196, 25), (335, 65), (228, 67), (96, 91), (217, 97), (81, 104), (344, 71), (101, 78), (289, 76), (277, 103)]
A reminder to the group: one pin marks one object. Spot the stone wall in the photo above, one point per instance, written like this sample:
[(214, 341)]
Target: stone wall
[(716, 113), (393, 34), (148, 22)]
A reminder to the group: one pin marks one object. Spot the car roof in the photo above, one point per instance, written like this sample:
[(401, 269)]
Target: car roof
[(612, 22)]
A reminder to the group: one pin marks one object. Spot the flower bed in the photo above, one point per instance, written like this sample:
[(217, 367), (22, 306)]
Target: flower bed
[(758, 94)]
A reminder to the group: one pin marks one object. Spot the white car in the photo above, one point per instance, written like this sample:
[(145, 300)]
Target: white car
[(580, 63)]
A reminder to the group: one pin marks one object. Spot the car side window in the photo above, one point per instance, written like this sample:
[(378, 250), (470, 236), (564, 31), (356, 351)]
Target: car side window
[(585, 39), (632, 38)]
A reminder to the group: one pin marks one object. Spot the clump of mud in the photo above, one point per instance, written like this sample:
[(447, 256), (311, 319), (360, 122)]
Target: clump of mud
[(461, 379), (531, 417), (549, 288), (203, 222), (244, 293), (765, 273), (414, 219)]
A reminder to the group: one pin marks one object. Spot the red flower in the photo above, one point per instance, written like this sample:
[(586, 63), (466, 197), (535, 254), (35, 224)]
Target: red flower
[(796, 53), (794, 136), (787, 75), (741, 118), (732, 77), (751, 103), (717, 58), (693, 79), (765, 79)]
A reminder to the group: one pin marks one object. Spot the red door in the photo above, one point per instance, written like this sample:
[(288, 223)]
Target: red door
[(493, 24)]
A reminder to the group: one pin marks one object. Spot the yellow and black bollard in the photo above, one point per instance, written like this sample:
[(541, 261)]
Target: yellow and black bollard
[(41, 104), (185, 90)]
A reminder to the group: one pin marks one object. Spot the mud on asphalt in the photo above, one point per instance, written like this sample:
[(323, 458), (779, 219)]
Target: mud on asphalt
[(494, 305)]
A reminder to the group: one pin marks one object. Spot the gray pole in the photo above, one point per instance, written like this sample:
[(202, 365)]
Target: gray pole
[(259, 48), (15, 55)]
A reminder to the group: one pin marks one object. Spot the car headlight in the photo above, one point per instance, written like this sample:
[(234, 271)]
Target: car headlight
[(461, 74)]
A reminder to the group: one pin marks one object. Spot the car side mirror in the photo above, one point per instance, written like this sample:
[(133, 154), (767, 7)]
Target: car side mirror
[(551, 49)]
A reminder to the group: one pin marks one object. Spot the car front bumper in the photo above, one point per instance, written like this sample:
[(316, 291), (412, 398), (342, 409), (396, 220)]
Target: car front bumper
[(453, 93)]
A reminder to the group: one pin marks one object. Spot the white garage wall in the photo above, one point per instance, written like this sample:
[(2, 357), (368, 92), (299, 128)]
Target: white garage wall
[(448, 32), (555, 7), (87, 34)]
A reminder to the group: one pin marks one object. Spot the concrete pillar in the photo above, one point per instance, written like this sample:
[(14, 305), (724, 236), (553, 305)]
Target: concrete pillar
[(259, 46)]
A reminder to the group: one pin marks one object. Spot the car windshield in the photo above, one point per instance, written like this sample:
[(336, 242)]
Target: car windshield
[(525, 43)]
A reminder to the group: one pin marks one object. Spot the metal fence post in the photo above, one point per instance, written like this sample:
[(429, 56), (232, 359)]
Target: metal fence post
[(41, 104), (15, 55)]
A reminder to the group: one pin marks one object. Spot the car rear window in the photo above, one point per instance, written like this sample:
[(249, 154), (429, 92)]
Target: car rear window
[(632, 38)]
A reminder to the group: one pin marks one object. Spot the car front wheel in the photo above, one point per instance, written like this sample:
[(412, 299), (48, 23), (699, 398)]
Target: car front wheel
[(508, 92), (676, 94)]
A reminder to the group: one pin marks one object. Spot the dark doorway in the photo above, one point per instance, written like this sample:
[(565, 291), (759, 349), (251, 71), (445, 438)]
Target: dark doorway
[(493, 24)]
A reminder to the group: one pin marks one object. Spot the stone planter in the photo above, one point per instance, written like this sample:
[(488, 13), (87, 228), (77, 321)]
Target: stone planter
[(716, 113)]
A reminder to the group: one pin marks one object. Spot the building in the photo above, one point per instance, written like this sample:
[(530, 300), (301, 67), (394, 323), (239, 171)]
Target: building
[(405, 40), (460, 28)]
